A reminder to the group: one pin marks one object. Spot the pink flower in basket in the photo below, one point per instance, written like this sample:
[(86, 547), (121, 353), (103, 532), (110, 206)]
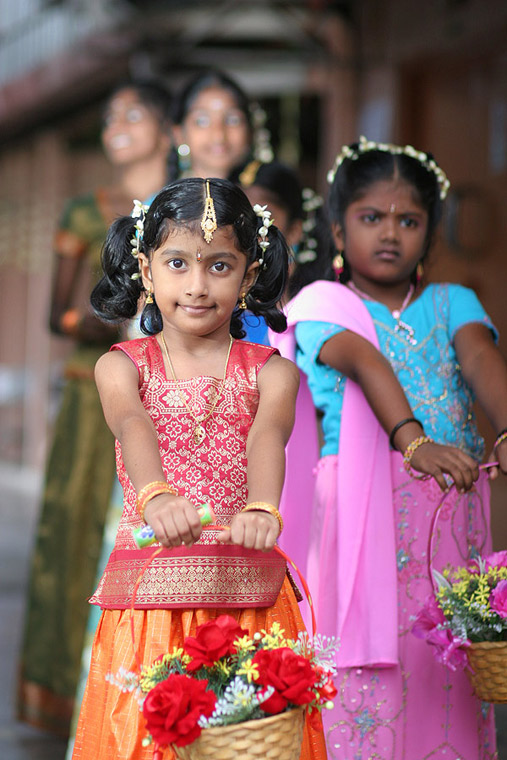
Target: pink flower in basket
[(431, 625), (498, 598), (496, 559)]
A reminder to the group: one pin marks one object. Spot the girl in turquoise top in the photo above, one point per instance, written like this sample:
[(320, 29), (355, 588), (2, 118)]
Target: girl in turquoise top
[(371, 514), (428, 369)]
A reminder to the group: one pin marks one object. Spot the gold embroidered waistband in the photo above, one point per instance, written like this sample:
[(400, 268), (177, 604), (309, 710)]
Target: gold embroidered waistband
[(199, 576)]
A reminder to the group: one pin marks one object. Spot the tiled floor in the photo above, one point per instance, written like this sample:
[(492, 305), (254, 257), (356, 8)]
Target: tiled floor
[(18, 507)]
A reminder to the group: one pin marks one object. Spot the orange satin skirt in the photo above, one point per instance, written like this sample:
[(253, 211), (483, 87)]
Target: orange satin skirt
[(111, 724)]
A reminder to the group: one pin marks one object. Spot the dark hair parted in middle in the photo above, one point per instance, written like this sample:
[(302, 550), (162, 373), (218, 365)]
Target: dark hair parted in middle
[(355, 176), (181, 203), (185, 99)]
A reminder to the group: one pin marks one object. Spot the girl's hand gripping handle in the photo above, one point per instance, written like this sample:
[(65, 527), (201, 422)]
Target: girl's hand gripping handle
[(145, 536), (435, 460)]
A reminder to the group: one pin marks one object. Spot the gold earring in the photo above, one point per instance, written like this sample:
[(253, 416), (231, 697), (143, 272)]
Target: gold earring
[(419, 272), (149, 296), (338, 263), (242, 303)]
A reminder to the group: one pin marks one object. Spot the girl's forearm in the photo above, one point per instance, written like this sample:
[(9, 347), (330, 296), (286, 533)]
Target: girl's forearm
[(387, 400), (362, 363), (488, 378), (484, 369), (266, 468), (140, 452)]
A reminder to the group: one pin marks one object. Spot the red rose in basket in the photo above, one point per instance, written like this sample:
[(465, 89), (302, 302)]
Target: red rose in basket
[(213, 640), (291, 676), (327, 689), (173, 707)]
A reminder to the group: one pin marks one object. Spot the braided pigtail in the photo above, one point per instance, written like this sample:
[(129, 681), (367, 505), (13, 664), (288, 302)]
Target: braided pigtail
[(116, 295)]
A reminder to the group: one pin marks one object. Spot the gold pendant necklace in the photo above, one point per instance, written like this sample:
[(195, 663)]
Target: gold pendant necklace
[(199, 431)]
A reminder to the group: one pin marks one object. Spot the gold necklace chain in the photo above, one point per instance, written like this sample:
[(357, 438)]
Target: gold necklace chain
[(199, 432)]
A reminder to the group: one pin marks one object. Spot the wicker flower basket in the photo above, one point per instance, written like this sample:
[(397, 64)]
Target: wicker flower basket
[(278, 737), (488, 670)]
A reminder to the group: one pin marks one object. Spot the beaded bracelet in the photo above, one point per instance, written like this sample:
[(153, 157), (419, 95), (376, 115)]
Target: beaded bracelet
[(150, 491), (412, 448), (400, 425), (502, 436), (263, 506)]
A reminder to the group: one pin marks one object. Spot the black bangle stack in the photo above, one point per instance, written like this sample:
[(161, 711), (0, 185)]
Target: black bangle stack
[(400, 425)]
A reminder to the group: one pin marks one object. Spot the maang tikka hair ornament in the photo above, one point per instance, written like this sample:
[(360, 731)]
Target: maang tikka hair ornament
[(209, 218), (139, 213), (364, 146)]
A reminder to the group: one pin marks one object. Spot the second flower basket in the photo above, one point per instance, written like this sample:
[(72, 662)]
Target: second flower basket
[(488, 670), (465, 620)]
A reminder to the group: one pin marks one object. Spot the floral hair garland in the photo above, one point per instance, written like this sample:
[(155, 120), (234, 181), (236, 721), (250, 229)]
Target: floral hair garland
[(138, 213), (308, 249), (365, 146), (262, 150), (263, 213)]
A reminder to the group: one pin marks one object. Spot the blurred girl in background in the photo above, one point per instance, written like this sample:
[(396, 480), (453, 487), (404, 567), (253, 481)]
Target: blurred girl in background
[(81, 469), (216, 128), (298, 214)]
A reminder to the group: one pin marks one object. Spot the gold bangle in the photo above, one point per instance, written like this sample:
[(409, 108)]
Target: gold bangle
[(501, 438), (262, 506), (412, 448), (150, 491)]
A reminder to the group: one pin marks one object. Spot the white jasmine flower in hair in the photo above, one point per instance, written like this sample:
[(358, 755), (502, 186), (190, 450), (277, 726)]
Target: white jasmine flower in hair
[(139, 209)]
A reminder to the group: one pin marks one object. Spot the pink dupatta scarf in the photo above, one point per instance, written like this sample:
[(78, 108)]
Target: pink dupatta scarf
[(363, 611)]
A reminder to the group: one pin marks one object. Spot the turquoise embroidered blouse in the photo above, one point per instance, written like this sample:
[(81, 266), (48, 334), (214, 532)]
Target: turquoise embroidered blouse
[(428, 370)]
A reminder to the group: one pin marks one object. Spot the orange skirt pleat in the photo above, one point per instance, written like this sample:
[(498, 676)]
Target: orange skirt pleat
[(111, 724)]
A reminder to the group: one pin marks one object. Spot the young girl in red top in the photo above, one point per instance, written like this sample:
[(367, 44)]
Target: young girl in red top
[(198, 415)]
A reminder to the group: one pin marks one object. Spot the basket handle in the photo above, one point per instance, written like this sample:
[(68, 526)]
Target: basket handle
[(212, 527), (434, 521)]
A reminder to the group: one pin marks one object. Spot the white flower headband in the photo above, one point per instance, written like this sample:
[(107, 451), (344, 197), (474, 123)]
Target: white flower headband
[(263, 213), (364, 146), (139, 213)]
